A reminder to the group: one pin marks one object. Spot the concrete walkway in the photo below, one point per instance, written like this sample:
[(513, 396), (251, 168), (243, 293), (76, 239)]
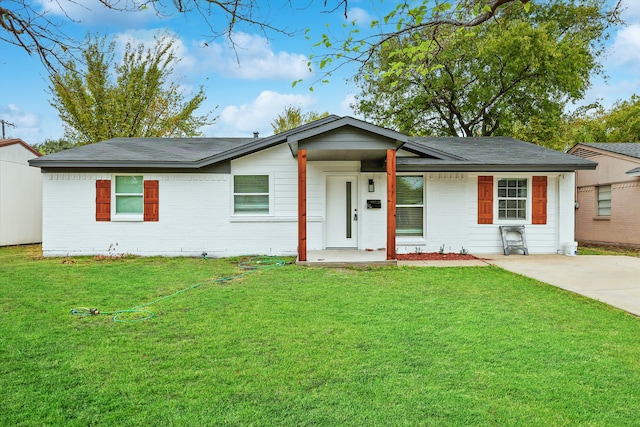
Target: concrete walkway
[(614, 280)]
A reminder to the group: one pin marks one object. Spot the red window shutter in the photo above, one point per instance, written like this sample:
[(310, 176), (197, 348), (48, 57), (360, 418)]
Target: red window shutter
[(539, 200), (151, 200), (485, 200), (103, 200)]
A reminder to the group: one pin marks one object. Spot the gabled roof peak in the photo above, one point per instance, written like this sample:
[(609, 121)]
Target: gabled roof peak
[(631, 149), (12, 141)]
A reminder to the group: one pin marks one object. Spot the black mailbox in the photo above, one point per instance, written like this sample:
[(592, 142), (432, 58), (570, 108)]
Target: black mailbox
[(374, 204)]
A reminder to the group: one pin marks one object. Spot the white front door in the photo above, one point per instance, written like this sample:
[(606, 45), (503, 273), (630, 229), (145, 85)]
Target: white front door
[(342, 211)]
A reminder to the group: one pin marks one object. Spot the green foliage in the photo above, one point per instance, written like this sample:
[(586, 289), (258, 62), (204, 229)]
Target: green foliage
[(487, 79), (131, 98), (292, 117), (307, 347), (50, 146), (589, 123), (621, 123)]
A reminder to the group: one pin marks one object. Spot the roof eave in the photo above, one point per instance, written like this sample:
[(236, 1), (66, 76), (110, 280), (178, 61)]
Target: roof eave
[(69, 164)]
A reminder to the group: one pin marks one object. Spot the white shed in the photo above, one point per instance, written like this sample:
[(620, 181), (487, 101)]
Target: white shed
[(20, 194)]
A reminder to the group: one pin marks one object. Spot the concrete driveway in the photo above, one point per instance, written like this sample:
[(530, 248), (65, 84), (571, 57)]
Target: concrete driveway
[(614, 280)]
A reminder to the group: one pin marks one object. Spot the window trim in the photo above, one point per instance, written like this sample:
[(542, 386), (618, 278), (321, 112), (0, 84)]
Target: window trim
[(404, 237), (598, 200), (497, 198), (270, 195), (115, 216)]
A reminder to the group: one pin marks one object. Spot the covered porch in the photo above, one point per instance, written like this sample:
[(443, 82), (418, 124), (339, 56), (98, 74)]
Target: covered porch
[(374, 150), (340, 258)]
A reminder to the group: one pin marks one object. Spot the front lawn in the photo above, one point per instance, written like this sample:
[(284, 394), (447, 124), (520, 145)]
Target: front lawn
[(299, 346)]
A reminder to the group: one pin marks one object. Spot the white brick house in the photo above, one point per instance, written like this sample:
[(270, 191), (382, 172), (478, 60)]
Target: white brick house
[(335, 183)]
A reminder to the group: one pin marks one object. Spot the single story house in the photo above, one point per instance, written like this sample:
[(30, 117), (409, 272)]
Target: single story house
[(20, 194), (335, 183), (608, 198)]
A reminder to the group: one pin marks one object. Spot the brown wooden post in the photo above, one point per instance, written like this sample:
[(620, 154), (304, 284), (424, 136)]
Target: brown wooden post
[(302, 205), (391, 204)]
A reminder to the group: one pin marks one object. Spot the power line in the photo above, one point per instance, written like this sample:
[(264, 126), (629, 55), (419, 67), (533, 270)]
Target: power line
[(4, 122)]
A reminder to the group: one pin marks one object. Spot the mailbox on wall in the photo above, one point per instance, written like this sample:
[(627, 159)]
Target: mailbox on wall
[(374, 204)]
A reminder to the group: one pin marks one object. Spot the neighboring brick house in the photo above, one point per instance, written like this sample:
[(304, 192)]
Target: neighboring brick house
[(608, 198)]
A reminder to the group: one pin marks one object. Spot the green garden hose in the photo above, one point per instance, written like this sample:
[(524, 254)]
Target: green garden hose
[(251, 265)]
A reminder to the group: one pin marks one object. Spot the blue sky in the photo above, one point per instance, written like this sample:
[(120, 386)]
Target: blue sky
[(249, 94)]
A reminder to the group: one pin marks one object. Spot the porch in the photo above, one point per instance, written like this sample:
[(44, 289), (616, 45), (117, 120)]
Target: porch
[(339, 258)]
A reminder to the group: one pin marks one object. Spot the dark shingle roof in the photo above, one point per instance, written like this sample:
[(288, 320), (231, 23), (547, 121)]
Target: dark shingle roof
[(434, 154), (146, 151), (189, 153), (631, 149), (494, 153)]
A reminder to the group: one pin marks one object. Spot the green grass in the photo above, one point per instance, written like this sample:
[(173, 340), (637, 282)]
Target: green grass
[(306, 347), (589, 249)]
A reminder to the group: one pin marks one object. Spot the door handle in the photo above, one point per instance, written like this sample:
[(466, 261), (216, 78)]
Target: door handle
[(355, 215)]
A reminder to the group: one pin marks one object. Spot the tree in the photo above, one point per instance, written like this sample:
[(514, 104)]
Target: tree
[(594, 123), (522, 67), (131, 98), (50, 146), (25, 24), (292, 117), (621, 123)]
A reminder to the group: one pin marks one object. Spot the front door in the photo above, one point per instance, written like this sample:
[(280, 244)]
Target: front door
[(342, 211)]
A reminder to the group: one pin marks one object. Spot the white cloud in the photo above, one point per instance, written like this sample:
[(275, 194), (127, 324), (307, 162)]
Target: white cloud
[(607, 93), (626, 46), (631, 10), (26, 125), (346, 108), (251, 57), (92, 12), (361, 16), (19, 117), (256, 116)]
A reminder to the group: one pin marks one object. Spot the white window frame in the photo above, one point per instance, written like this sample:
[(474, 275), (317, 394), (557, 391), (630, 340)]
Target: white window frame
[(269, 194), (406, 238), (115, 216), (599, 200), (496, 198)]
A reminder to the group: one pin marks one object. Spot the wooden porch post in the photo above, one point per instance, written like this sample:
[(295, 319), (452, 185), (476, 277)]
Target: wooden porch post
[(302, 205), (391, 204)]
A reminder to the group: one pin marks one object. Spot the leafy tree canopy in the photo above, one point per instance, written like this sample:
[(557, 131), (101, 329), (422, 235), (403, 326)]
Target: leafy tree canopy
[(130, 98), (518, 69), (50, 146), (26, 24), (292, 117)]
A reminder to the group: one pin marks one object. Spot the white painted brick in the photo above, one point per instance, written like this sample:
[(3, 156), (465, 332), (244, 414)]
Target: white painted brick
[(196, 214)]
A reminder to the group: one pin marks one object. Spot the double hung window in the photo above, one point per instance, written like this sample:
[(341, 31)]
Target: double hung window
[(410, 205), (251, 194), (512, 199), (129, 195), (604, 200)]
